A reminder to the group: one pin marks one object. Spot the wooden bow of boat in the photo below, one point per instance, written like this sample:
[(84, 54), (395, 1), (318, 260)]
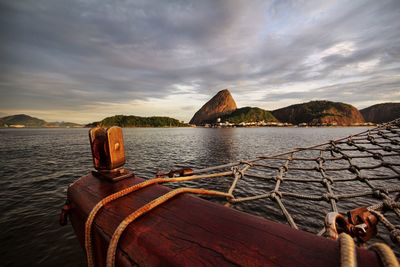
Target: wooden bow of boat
[(190, 231)]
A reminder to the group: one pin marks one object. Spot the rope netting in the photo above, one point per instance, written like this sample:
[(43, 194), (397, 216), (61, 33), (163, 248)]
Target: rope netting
[(310, 188), (361, 170)]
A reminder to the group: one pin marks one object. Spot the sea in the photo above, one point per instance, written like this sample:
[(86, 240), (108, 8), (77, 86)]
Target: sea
[(37, 165)]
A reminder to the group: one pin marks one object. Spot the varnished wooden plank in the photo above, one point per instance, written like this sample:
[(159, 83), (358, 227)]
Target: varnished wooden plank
[(189, 231)]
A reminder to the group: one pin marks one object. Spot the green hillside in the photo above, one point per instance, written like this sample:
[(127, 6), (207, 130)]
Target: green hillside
[(136, 121), (21, 119), (249, 114)]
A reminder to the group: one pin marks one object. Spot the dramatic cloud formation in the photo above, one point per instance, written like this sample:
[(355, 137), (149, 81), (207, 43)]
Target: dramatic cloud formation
[(83, 60)]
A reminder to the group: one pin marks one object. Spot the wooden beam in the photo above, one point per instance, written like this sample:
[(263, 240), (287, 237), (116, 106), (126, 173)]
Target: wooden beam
[(190, 231)]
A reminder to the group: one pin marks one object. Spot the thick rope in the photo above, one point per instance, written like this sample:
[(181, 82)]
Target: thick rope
[(148, 207), (124, 192), (385, 254), (348, 256)]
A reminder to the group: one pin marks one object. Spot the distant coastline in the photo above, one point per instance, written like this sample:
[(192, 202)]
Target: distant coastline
[(214, 114), (284, 125), (221, 111), (25, 121)]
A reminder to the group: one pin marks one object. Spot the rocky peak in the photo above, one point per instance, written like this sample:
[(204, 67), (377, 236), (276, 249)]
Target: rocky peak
[(221, 104)]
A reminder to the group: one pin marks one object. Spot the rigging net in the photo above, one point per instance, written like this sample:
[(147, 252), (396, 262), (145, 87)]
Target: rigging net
[(338, 176)]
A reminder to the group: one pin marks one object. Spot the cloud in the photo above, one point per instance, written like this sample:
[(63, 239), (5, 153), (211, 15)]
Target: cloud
[(58, 56)]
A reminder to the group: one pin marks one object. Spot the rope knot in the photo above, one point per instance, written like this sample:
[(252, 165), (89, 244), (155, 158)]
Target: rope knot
[(380, 193), (395, 235), (377, 156), (278, 178), (319, 168), (328, 196), (361, 148), (354, 169), (235, 170), (327, 180), (387, 148), (275, 194), (350, 142)]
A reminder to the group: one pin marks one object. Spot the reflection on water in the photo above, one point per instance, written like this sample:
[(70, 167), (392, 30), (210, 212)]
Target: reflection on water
[(36, 166), (220, 145)]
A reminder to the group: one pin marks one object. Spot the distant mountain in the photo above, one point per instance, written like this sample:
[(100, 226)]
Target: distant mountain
[(380, 113), (320, 112), (23, 120), (249, 114), (221, 104), (136, 121)]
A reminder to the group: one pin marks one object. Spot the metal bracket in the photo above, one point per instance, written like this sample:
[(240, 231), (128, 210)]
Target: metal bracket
[(108, 153), (359, 223)]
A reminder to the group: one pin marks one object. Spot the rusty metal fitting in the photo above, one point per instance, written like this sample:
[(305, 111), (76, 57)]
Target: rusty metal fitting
[(364, 224), (180, 172), (358, 223), (336, 223), (65, 210), (172, 173)]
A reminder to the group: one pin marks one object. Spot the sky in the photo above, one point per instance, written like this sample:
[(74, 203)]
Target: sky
[(84, 60)]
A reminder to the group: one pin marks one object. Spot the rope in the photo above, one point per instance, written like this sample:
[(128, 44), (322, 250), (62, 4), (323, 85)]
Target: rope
[(348, 256), (124, 192), (146, 208), (385, 254), (368, 160)]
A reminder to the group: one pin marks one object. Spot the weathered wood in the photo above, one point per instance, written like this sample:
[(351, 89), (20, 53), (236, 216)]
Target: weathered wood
[(189, 231)]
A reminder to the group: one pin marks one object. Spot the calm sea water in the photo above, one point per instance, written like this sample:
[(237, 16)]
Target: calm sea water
[(37, 165)]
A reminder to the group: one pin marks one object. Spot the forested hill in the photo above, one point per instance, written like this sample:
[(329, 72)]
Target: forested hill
[(380, 113), (249, 114), (23, 120), (136, 121), (320, 112)]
